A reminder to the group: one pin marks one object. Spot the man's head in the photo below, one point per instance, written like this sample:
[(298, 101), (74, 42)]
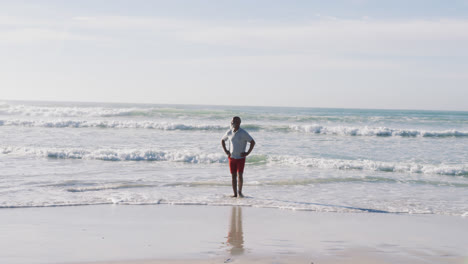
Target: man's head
[(235, 123)]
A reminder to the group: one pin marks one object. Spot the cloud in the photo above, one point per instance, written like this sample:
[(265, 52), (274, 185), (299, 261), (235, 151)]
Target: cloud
[(124, 23), (293, 62), (414, 38), (318, 44), (6, 21), (39, 35), (321, 35), (24, 31)]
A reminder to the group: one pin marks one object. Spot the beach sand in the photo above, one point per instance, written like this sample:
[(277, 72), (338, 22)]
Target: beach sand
[(144, 234)]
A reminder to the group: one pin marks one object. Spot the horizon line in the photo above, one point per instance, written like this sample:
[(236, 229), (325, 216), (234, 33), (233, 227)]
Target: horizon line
[(217, 105)]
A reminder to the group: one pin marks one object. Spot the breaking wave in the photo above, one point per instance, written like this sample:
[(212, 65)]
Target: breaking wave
[(375, 131), (312, 129), (72, 111), (370, 165), (256, 160), (117, 154), (109, 124), (85, 110)]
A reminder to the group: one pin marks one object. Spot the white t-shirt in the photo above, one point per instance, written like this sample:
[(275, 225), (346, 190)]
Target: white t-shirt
[(238, 141)]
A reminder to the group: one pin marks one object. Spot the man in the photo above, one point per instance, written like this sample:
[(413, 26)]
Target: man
[(238, 139)]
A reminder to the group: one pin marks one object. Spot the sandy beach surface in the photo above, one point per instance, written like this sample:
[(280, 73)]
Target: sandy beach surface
[(144, 234)]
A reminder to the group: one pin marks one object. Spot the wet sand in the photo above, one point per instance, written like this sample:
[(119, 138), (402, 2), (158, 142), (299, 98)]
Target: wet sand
[(144, 234)]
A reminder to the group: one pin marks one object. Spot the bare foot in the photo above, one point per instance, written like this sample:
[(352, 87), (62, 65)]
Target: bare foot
[(241, 195), (234, 196)]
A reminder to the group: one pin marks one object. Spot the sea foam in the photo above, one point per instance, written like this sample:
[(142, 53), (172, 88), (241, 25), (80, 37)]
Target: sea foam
[(209, 158), (73, 111), (312, 129), (371, 165), (110, 124), (116, 154), (375, 131)]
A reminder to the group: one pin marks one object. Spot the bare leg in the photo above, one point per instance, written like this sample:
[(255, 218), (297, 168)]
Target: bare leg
[(241, 182), (234, 184)]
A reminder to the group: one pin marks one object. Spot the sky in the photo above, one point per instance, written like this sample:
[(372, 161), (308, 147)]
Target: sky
[(396, 54)]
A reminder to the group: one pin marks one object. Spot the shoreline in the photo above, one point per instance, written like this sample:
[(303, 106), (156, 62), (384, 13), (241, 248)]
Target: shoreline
[(123, 234)]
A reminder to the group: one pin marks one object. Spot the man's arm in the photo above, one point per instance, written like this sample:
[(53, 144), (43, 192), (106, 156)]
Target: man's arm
[(225, 149), (252, 145)]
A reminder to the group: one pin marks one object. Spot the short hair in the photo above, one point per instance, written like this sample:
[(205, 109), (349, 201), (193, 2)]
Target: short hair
[(236, 117)]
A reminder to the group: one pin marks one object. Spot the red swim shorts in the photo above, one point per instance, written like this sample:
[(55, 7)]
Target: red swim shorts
[(236, 165)]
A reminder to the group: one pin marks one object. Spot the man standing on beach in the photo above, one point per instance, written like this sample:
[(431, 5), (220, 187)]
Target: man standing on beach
[(238, 139)]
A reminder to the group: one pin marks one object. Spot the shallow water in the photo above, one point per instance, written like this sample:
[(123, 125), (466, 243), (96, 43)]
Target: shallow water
[(338, 160)]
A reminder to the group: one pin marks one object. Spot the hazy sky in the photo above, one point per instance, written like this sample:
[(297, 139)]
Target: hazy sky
[(350, 53)]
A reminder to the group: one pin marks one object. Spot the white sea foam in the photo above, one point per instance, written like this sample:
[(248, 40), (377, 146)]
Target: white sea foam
[(375, 131), (204, 158), (98, 198), (117, 154), (73, 111), (370, 165), (62, 154), (314, 129), (108, 187), (109, 124), (105, 110)]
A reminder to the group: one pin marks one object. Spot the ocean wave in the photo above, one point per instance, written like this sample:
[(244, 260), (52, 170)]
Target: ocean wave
[(71, 111), (312, 129), (375, 131), (95, 187), (117, 154), (257, 202), (370, 165), (261, 203), (110, 124), (255, 160), (269, 114), (367, 179), (108, 110)]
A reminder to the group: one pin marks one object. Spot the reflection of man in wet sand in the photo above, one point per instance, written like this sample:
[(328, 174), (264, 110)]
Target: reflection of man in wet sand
[(236, 235), (238, 139)]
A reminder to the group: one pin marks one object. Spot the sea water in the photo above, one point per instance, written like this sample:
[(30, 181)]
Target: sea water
[(315, 159)]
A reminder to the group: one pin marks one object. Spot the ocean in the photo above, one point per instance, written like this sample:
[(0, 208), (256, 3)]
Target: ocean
[(312, 159)]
